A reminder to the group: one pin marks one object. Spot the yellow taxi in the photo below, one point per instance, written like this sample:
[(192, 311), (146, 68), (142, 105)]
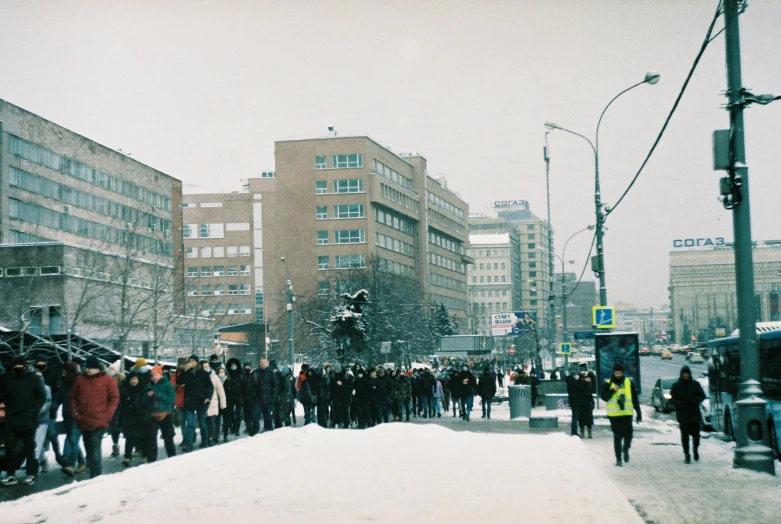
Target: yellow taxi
[(667, 355)]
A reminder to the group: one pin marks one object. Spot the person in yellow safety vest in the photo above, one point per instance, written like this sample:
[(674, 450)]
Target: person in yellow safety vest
[(622, 400)]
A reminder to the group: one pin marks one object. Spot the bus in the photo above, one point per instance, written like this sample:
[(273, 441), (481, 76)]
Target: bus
[(724, 382)]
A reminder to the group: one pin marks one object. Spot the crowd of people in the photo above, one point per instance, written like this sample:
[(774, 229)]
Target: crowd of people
[(208, 401)]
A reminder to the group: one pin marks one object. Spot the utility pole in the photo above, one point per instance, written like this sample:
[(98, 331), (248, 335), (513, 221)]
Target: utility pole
[(752, 450), (551, 295), (290, 299)]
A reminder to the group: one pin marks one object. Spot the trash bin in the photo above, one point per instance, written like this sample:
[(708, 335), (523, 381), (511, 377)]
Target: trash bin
[(520, 401)]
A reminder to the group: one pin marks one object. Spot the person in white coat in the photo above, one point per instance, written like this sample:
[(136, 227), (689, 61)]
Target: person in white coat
[(218, 402)]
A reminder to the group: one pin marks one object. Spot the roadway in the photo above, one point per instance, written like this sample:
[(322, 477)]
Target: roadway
[(653, 368)]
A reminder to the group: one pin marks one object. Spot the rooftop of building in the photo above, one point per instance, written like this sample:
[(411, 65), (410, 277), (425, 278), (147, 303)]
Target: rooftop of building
[(488, 240), (106, 148), (401, 156)]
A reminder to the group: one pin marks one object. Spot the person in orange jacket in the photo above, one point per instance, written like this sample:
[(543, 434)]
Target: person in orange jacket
[(179, 419)]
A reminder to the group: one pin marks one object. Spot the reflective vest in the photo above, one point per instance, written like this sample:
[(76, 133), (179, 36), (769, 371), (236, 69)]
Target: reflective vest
[(612, 407)]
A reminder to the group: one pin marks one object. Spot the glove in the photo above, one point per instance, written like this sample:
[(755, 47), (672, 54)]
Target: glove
[(639, 418)]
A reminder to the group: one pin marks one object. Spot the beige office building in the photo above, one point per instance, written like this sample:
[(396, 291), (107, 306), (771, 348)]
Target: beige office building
[(702, 289)]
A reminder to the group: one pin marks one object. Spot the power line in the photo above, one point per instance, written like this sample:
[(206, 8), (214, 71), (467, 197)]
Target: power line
[(705, 43)]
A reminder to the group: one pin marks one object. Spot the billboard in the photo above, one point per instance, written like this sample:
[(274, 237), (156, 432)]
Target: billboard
[(517, 323), (618, 347)]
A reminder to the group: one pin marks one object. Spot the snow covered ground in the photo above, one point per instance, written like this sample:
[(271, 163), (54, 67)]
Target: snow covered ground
[(391, 473)]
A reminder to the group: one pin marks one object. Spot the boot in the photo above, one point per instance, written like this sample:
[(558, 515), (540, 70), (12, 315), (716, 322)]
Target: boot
[(126, 461), (589, 432), (687, 460), (626, 455), (618, 462), (696, 455), (115, 450)]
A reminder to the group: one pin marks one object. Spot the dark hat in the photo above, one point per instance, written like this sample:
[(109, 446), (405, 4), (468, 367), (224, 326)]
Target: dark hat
[(195, 358), (40, 356), (182, 359), (78, 360), (273, 364), (19, 361), (214, 357), (247, 364), (618, 366), (92, 363), (686, 369)]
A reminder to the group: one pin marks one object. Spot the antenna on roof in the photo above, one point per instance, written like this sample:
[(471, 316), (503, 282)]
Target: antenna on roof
[(332, 131)]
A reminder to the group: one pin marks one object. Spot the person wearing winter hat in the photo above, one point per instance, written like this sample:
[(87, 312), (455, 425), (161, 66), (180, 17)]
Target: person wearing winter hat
[(198, 391), (687, 395), (25, 394), (133, 409), (160, 396), (52, 379), (73, 457), (94, 399), (115, 425), (620, 395), (180, 419)]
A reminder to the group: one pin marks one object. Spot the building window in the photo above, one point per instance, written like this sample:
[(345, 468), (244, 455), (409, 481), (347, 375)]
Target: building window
[(496, 265), (219, 271), (474, 280), (219, 289), (192, 252), (192, 291), (233, 309), (233, 271), (206, 252), (532, 255), (233, 251), (244, 271), (346, 161), (488, 280), (349, 261), (532, 274), (532, 302), (349, 211), (482, 280), (323, 287), (211, 231), (504, 279), (211, 204), (532, 265), (206, 291), (219, 309), (481, 267), (192, 271), (187, 230), (349, 236), (530, 227), (245, 309), (532, 236), (348, 186), (320, 162), (219, 252), (503, 265), (504, 292), (237, 226), (243, 251), (322, 262), (244, 289), (189, 204), (321, 212), (206, 271), (531, 246), (321, 187), (533, 293), (233, 289), (268, 174), (322, 237)]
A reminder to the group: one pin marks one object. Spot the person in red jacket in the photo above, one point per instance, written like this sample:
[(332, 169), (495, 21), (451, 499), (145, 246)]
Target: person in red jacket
[(179, 400), (94, 399)]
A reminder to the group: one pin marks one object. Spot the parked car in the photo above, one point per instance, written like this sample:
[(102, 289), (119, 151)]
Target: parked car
[(644, 352), (696, 359), (660, 396), (666, 355)]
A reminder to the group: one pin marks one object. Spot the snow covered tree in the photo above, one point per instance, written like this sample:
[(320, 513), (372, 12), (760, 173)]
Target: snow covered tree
[(350, 331), (444, 326)]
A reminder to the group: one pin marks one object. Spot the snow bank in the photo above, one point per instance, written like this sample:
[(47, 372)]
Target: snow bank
[(388, 474)]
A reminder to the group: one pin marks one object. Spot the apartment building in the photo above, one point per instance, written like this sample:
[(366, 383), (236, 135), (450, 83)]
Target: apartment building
[(336, 202)]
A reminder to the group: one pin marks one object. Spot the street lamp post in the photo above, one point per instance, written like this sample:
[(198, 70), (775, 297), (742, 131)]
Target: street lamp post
[(565, 334), (551, 324), (651, 78), (290, 299)]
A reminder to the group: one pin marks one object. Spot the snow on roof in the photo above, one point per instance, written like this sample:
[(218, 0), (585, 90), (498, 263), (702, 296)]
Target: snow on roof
[(483, 239), (569, 485)]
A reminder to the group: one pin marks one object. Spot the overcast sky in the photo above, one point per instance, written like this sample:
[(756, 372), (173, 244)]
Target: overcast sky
[(202, 89)]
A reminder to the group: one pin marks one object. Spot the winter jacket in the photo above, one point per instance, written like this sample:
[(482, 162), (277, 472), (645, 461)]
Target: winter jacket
[(232, 384), (384, 389), (93, 400), (466, 384), (43, 415), (573, 392), (62, 397), (363, 394), (585, 402), (23, 396), (310, 388), (415, 383), (486, 388), (164, 396), (286, 391), (133, 409), (198, 388), (426, 383), (265, 382), (687, 395), (325, 390), (218, 401), (438, 391), (403, 390), (179, 401), (341, 389)]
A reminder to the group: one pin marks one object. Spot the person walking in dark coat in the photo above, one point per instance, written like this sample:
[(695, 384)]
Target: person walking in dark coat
[(585, 388), (198, 392), (486, 389), (308, 395), (24, 395), (286, 396), (341, 397), (622, 401), (133, 416), (74, 461), (51, 378), (266, 383), (574, 399), (160, 403), (361, 406), (232, 387), (402, 394), (467, 387), (687, 395), (250, 397)]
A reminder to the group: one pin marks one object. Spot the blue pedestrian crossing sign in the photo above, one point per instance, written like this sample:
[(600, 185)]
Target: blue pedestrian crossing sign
[(565, 348), (603, 317)]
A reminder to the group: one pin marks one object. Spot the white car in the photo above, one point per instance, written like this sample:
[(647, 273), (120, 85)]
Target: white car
[(705, 415), (696, 359)]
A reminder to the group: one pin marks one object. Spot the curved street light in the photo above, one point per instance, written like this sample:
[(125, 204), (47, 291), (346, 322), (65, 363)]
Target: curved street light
[(651, 78)]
